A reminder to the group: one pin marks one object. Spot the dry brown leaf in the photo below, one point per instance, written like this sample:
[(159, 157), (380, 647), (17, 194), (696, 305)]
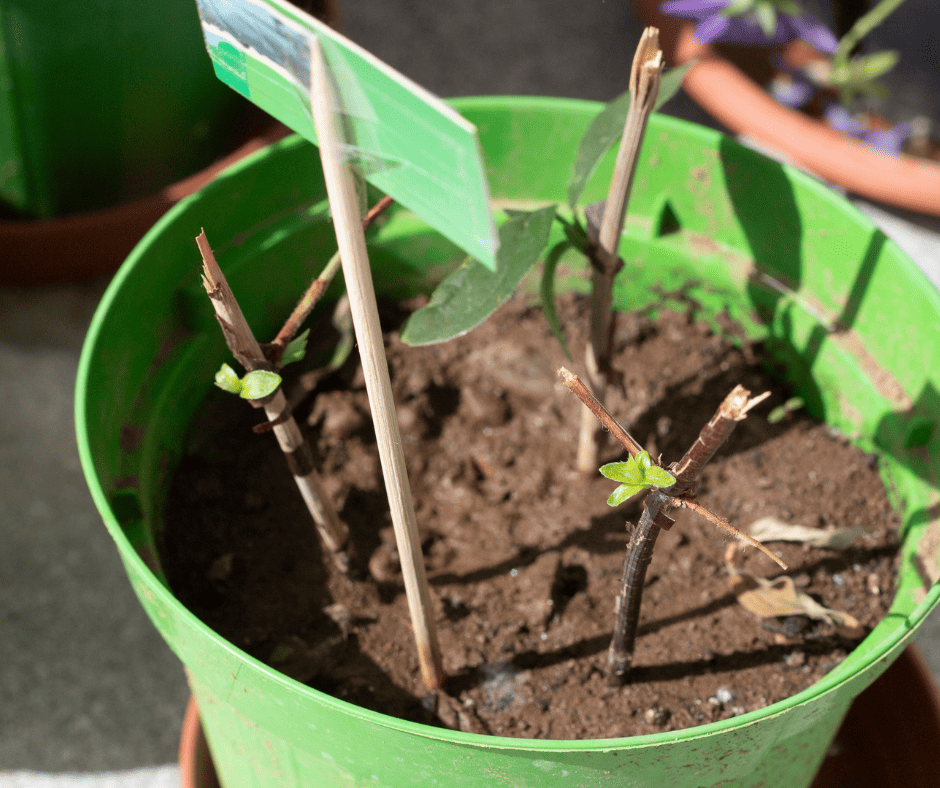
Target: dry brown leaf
[(770, 529), (779, 597)]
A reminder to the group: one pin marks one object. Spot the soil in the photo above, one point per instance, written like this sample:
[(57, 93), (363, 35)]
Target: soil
[(523, 554)]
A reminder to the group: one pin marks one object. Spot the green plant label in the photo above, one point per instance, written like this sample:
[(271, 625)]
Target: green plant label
[(405, 141)]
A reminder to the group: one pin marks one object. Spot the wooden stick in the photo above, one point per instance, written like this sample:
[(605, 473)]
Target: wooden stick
[(247, 351), (352, 246), (644, 88)]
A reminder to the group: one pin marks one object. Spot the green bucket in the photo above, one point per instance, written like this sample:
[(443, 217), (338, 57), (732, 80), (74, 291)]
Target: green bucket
[(854, 321)]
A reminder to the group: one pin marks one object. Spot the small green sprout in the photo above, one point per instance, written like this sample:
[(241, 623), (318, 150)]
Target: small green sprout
[(295, 349), (257, 384), (782, 412), (636, 474)]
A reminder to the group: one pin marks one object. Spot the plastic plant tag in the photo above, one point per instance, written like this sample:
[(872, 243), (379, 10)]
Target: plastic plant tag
[(405, 141)]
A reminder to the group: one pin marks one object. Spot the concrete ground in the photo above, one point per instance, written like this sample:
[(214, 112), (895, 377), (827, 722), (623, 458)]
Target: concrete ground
[(89, 694)]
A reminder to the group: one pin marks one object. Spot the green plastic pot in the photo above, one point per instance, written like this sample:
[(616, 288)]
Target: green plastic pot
[(851, 317)]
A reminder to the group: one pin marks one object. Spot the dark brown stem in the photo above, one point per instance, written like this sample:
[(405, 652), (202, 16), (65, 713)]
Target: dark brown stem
[(635, 563), (241, 341), (316, 290)]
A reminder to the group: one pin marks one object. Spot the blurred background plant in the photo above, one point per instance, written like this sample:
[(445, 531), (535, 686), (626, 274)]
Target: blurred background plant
[(825, 69)]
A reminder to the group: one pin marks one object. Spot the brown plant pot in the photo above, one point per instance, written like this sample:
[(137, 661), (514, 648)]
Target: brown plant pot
[(83, 246), (890, 738), (730, 96)]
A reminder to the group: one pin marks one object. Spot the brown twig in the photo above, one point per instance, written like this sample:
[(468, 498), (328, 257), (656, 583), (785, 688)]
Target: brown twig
[(245, 348), (733, 409), (645, 77), (574, 384), (713, 518), (317, 288)]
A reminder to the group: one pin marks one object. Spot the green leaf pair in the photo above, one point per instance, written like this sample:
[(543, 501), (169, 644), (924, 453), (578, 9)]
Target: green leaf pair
[(255, 385), (636, 474)]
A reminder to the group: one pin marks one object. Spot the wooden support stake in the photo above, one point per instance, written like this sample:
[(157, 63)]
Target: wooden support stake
[(352, 247), (241, 341)]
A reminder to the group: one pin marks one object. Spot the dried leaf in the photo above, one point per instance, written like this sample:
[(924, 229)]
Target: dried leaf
[(779, 597), (770, 529)]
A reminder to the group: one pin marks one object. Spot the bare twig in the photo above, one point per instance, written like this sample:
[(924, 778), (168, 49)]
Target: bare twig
[(733, 409), (318, 288), (247, 351), (644, 88), (355, 261), (713, 518), (574, 384)]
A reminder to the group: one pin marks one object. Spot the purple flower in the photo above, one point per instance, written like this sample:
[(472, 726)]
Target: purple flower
[(715, 26), (792, 88), (890, 140)]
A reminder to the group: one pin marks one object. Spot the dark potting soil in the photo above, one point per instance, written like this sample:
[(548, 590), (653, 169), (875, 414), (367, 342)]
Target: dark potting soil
[(523, 554)]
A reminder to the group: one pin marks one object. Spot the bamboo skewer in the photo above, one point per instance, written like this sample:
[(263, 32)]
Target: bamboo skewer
[(355, 261)]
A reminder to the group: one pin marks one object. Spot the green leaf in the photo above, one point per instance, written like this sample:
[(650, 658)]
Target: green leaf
[(766, 17), (788, 7), (627, 472), (738, 7), (295, 349), (643, 460), (607, 128), (259, 383), (863, 70), (227, 380), (472, 293), (862, 27), (623, 492), (779, 413), (657, 477), (547, 290)]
